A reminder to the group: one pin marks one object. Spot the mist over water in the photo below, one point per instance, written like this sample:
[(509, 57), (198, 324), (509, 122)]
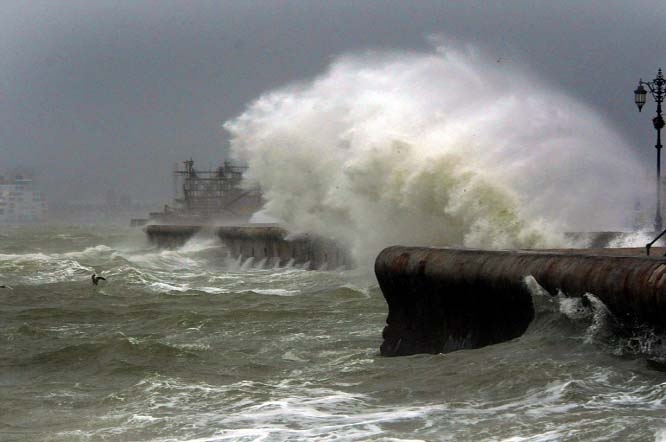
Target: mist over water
[(449, 147)]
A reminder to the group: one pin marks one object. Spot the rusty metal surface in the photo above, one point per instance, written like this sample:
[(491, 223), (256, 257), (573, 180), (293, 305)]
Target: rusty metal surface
[(444, 299)]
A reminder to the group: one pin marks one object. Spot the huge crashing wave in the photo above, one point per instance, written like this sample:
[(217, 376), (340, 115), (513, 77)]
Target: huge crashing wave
[(448, 147)]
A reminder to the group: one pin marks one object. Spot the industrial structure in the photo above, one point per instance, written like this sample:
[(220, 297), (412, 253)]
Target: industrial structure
[(209, 196)]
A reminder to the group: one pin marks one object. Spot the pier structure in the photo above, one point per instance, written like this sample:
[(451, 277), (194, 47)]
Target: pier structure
[(268, 242), (208, 196)]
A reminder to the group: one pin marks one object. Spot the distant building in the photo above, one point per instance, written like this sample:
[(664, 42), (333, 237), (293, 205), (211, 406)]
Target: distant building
[(20, 202)]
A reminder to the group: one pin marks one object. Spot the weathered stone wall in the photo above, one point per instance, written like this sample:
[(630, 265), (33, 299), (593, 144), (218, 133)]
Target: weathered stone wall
[(447, 299)]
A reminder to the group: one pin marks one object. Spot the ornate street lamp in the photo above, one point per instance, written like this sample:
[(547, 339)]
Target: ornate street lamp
[(657, 89)]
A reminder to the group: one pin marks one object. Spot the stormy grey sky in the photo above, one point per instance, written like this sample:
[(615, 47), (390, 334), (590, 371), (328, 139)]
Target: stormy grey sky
[(109, 94)]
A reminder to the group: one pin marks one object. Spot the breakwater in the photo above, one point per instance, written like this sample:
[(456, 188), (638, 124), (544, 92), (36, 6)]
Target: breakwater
[(268, 242), (443, 299)]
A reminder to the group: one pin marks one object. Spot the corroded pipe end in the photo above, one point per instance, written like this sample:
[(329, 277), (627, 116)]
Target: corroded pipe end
[(441, 303)]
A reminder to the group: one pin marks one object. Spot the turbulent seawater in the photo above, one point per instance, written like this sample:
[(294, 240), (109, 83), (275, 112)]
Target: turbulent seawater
[(186, 345)]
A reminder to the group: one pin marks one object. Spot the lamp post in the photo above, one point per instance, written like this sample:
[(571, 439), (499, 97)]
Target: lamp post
[(657, 89)]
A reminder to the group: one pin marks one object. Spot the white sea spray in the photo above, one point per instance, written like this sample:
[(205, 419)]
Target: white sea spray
[(439, 148)]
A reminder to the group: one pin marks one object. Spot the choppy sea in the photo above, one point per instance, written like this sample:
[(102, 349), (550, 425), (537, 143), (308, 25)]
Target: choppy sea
[(189, 345)]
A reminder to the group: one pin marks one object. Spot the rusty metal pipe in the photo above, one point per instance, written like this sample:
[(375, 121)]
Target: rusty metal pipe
[(442, 299)]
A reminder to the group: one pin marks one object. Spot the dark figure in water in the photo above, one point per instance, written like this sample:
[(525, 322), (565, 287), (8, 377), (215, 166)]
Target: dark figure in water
[(95, 279)]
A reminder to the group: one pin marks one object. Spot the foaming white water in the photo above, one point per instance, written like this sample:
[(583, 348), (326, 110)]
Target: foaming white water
[(293, 409), (40, 268), (248, 263), (88, 252), (293, 412), (200, 243), (277, 292), (163, 260), (441, 148), (635, 239), (261, 264), (602, 327), (660, 436), (592, 310)]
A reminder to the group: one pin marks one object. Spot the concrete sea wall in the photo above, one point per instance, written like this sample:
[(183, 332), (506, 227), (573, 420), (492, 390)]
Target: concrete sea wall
[(442, 299), (261, 242)]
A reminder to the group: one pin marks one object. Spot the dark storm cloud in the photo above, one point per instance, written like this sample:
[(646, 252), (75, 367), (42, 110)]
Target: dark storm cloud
[(103, 94)]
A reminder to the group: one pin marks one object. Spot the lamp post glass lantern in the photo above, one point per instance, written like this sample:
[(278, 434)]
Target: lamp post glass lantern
[(657, 88), (639, 96)]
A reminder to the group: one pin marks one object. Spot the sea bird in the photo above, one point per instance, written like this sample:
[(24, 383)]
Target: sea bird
[(95, 279)]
